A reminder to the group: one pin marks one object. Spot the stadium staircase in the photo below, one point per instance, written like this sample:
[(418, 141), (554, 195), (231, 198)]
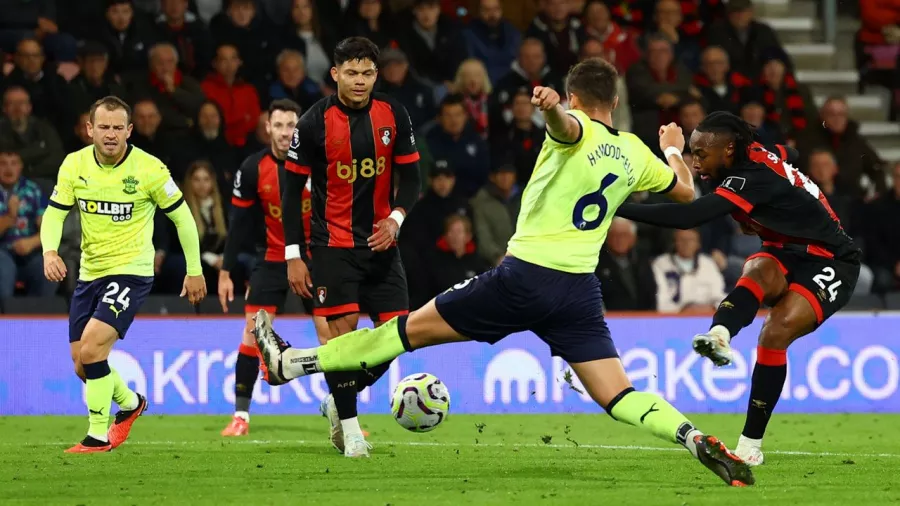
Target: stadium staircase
[(830, 69)]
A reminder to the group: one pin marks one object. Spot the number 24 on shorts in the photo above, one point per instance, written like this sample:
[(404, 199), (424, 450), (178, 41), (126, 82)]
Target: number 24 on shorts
[(827, 276), (111, 290)]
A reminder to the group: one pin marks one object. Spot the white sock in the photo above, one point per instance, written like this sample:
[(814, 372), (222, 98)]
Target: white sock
[(351, 427), (131, 403), (720, 330), (99, 437), (243, 415), (296, 362), (745, 442), (689, 441)]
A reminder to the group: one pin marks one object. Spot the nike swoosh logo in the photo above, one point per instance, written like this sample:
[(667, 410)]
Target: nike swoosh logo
[(651, 410)]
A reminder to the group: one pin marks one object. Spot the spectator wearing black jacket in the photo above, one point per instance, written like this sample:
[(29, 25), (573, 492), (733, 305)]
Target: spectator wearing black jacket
[(309, 33), (626, 276), (46, 88), (184, 30), (720, 87), (148, 133), (94, 81), (453, 139), (397, 81), (433, 42), (453, 259), (206, 141), (529, 70), (561, 34), (883, 240), (243, 26), (127, 37), (521, 142), (292, 81), (742, 37), (372, 20)]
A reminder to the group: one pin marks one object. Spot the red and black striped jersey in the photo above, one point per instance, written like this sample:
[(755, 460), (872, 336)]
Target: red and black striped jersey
[(258, 183), (783, 206), (350, 156)]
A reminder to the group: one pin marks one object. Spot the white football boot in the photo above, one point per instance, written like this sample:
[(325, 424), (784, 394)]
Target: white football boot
[(714, 345), (329, 411), (355, 445), (750, 451)]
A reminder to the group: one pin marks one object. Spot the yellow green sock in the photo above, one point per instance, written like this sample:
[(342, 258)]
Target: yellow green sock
[(99, 389), (653, 413), (125, 397)]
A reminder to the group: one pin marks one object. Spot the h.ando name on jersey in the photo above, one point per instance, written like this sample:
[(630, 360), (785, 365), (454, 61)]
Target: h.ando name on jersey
[(120, 211), (612, 152)]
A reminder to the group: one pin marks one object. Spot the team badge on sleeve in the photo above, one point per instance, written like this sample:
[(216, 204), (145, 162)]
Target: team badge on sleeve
[(170, 188), (734, 183), (295, 140)]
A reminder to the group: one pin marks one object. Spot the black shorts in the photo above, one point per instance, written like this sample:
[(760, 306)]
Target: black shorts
[(268, 288), (827, 283), (346, 279), (113, 300), (565, 310)]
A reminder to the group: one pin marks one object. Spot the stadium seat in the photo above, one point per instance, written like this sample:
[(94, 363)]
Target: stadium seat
[(35, 305), (865, 303), (892, 300), (166, 305)]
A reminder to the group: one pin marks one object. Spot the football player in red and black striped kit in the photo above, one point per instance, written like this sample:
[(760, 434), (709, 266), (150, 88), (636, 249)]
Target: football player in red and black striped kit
[(350, 146), (256, 206), (806, 271)]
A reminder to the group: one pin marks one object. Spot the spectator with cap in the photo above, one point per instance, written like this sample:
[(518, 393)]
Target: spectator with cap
[(178, 96), (127, 37), (528, 71), (184, 30), (560, 33), (455, 140), (619, 46), (396, 80), (656, 85), (719, 85), (742, 37), (788, 103), (37, 19), (34, 139), (861, 169), (521, 142), (22, 205), (433, 44), (292, 82), (492, 39), (236, 98), (495, 209), (94, 81), (452, 259), (46, 88), (626, 276)]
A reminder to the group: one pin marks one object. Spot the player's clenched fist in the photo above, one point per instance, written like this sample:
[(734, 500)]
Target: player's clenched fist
[(544, 98), (299, 278), (671, 136), (195, 288), (54, 267)]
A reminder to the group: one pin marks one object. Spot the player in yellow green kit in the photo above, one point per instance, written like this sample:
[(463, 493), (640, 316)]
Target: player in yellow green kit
[(116, 189), (546, 284)]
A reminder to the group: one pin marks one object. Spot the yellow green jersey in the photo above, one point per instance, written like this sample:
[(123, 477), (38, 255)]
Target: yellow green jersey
[(117, 204), (574, 192)]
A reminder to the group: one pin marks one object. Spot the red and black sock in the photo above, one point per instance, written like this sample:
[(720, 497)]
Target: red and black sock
[(343, 386), (739, 307), (769, 375), (246, 370)]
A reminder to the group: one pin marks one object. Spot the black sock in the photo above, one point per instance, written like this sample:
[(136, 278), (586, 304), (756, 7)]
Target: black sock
[(740, 307), (343, 388), (246, 370), (768, 381), (370, 376)]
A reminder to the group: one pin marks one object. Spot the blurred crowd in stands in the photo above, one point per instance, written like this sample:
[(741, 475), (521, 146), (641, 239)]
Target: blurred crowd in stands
[(200, 74)]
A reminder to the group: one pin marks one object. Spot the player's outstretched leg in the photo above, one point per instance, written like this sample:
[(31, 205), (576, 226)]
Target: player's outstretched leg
[(762, 279), (246, 371), (607, 383), (790, 319)]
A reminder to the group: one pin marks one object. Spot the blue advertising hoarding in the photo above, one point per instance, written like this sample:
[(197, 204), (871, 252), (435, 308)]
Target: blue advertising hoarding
[(186, 365)]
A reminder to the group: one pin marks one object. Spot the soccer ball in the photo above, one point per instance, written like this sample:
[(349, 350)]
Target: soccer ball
[(420, 402)]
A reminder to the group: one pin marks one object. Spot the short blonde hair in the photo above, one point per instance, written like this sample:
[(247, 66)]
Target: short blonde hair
[(472, 64)]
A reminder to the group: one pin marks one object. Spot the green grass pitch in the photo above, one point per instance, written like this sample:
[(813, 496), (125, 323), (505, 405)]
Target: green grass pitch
[(848, 460)]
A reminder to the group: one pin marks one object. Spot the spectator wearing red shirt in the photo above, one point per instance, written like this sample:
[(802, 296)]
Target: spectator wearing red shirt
[(880, 22), (619, 47), (238, 100)]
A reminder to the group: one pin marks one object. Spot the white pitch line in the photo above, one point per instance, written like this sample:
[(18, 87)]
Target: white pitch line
[(467, 445)]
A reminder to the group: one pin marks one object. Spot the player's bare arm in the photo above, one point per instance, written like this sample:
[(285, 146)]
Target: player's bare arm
[(563, 127), (671, 142)]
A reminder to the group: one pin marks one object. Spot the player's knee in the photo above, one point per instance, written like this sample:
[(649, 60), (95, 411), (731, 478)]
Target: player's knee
[(79, 370), (777, 331), (766, 273)]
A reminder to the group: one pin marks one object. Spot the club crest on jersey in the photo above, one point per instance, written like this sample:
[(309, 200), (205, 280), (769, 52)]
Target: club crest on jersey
[(130, 185), (386, 134), (119, 211), (321, 293), (734, 183)]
